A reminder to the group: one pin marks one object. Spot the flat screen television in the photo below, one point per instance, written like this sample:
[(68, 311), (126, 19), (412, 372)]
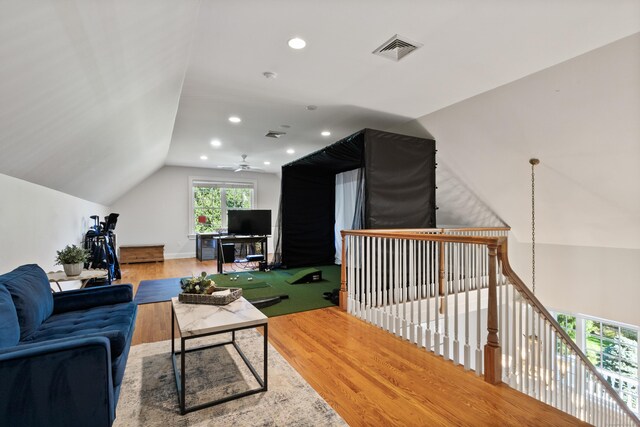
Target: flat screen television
[(254, 222)]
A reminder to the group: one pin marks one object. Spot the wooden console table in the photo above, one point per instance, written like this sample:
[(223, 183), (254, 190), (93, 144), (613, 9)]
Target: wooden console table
[(84, 277), (141, 253)]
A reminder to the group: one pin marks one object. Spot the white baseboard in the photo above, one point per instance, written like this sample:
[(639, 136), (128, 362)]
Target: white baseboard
[(180, 255)]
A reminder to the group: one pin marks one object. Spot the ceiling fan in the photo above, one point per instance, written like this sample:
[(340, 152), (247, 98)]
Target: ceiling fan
[(242, 166)]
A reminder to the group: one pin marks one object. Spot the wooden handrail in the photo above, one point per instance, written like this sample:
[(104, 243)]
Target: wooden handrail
[(531, 298), (403, 235)]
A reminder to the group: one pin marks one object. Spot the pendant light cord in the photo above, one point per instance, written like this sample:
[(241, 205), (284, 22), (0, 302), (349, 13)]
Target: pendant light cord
[(533, 162)]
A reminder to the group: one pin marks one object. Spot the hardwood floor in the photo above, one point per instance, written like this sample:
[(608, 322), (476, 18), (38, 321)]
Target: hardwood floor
[(370, 377)]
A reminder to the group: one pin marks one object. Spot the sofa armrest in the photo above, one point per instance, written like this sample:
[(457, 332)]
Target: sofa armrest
[(58, 383), (81, 299)]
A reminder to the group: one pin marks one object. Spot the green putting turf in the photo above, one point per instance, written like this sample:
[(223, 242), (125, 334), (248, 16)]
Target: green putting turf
[(302, 297)]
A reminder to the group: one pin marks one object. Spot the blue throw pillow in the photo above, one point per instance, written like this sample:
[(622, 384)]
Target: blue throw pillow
[(31, 294), (9, 327)]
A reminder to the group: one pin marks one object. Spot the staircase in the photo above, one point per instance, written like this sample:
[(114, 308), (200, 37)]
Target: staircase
[(453, 293)]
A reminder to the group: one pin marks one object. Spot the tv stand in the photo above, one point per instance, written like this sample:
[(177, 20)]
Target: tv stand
[(239, 239)]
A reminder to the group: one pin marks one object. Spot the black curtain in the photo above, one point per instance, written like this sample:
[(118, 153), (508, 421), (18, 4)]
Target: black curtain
[(399, 192), (400, 177)]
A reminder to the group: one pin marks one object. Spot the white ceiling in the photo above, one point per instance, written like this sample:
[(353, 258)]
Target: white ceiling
[(94, 99)]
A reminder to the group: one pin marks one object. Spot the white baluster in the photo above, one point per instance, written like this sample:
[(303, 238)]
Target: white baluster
[(412, 289), (428, 334), (445, 301), (478, 275), (421, 266), (436, 314), (456, 285), (467, 283)]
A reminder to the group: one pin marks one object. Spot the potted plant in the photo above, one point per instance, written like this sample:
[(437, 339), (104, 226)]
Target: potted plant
[(72, 259), (202, 290), (198, 285)]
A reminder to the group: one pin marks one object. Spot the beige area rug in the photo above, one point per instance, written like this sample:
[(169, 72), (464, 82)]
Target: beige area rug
[(149, 398)]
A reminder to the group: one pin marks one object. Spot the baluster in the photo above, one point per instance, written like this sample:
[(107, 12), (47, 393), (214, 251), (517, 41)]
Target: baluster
[(379, 303), (403, 281), (478, 272), (527, 349), (445, 302), (412, 288), (367, 278), (506, 333), (467, 283), (456, 285), (521, 349), (396, 284), (515, 329), (545, 362), (436, 314), (428, 334), (421, 266)]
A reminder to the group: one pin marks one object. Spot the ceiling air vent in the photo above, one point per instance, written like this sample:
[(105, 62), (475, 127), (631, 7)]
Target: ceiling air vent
[(274, 134), (397, 47)]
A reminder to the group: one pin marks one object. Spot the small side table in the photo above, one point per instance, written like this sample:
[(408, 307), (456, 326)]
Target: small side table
[(201, 320), (84, 277)]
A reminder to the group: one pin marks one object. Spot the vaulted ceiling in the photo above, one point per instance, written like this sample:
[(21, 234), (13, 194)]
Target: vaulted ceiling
[(99, 94)]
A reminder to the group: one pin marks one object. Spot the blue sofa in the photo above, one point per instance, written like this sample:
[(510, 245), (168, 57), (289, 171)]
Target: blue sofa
[(62, 355)]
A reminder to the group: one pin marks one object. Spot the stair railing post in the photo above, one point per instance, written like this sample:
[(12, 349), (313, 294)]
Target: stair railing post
[(492, 351), (343, 275)]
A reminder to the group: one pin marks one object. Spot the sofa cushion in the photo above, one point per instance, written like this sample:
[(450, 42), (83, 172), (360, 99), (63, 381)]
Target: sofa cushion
[(9, 326), (115, 322), (31, 294)]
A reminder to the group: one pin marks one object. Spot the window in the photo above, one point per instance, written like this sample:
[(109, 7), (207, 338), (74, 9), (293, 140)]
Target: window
[(613, 350), (211, 200)]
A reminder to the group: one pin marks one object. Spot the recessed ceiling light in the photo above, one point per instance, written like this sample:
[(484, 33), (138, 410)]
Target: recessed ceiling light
[(235, 119), (270, 75), (203, 157), (267, 163), (216, 143), (311, 107), (297, 43), (325, 133), (291, 151)]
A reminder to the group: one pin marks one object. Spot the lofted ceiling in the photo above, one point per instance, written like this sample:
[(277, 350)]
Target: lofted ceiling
[(99, 94)]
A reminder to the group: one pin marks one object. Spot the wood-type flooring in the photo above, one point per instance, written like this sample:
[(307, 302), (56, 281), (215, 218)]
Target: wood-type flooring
[(370, 377)]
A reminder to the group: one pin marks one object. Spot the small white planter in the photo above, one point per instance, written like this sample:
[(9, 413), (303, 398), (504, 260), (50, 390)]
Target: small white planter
[(73, 269)]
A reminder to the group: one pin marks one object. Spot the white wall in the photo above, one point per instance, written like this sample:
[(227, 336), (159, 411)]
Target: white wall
[(157, 209), (601, 282), (580, 118), (36, 221)]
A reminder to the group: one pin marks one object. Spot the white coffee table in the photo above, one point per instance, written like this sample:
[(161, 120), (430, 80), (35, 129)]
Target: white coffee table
[(201, 320)]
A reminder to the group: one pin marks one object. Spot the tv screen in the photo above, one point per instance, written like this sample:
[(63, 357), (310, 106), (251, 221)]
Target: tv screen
[(256, 222)]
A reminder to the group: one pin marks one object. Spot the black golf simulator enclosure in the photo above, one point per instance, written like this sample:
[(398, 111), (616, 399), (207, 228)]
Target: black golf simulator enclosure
[(395, 189)]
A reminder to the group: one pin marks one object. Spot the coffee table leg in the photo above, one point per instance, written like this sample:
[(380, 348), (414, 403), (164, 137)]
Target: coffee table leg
[(182, 378), (266, 354)]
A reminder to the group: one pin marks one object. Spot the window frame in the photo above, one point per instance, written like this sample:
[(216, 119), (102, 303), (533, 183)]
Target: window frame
[(582, 339), (223, 182)]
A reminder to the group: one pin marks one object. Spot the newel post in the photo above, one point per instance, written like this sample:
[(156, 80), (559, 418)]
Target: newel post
[(343, 275), (492, 351)]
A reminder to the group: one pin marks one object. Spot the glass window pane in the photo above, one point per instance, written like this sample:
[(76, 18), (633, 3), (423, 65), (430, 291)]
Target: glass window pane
[(630, 334), (202, 197), (594, 357), (594, 343), (609, 331), (593, 327), (239, 198)]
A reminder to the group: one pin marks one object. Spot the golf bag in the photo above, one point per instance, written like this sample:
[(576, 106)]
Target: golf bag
[(99, 241)]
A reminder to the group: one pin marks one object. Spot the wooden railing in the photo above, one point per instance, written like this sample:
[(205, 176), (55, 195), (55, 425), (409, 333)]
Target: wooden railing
[(440, 288)]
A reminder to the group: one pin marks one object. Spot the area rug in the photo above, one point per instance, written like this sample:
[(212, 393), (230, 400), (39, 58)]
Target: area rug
[(148, 396)]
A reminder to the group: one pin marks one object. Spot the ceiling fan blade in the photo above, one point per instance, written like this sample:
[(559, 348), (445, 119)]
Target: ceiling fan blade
[(239, 169)]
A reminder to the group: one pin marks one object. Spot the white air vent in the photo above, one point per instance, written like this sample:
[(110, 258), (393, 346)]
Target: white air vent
[(274, 134), (397, 47)]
